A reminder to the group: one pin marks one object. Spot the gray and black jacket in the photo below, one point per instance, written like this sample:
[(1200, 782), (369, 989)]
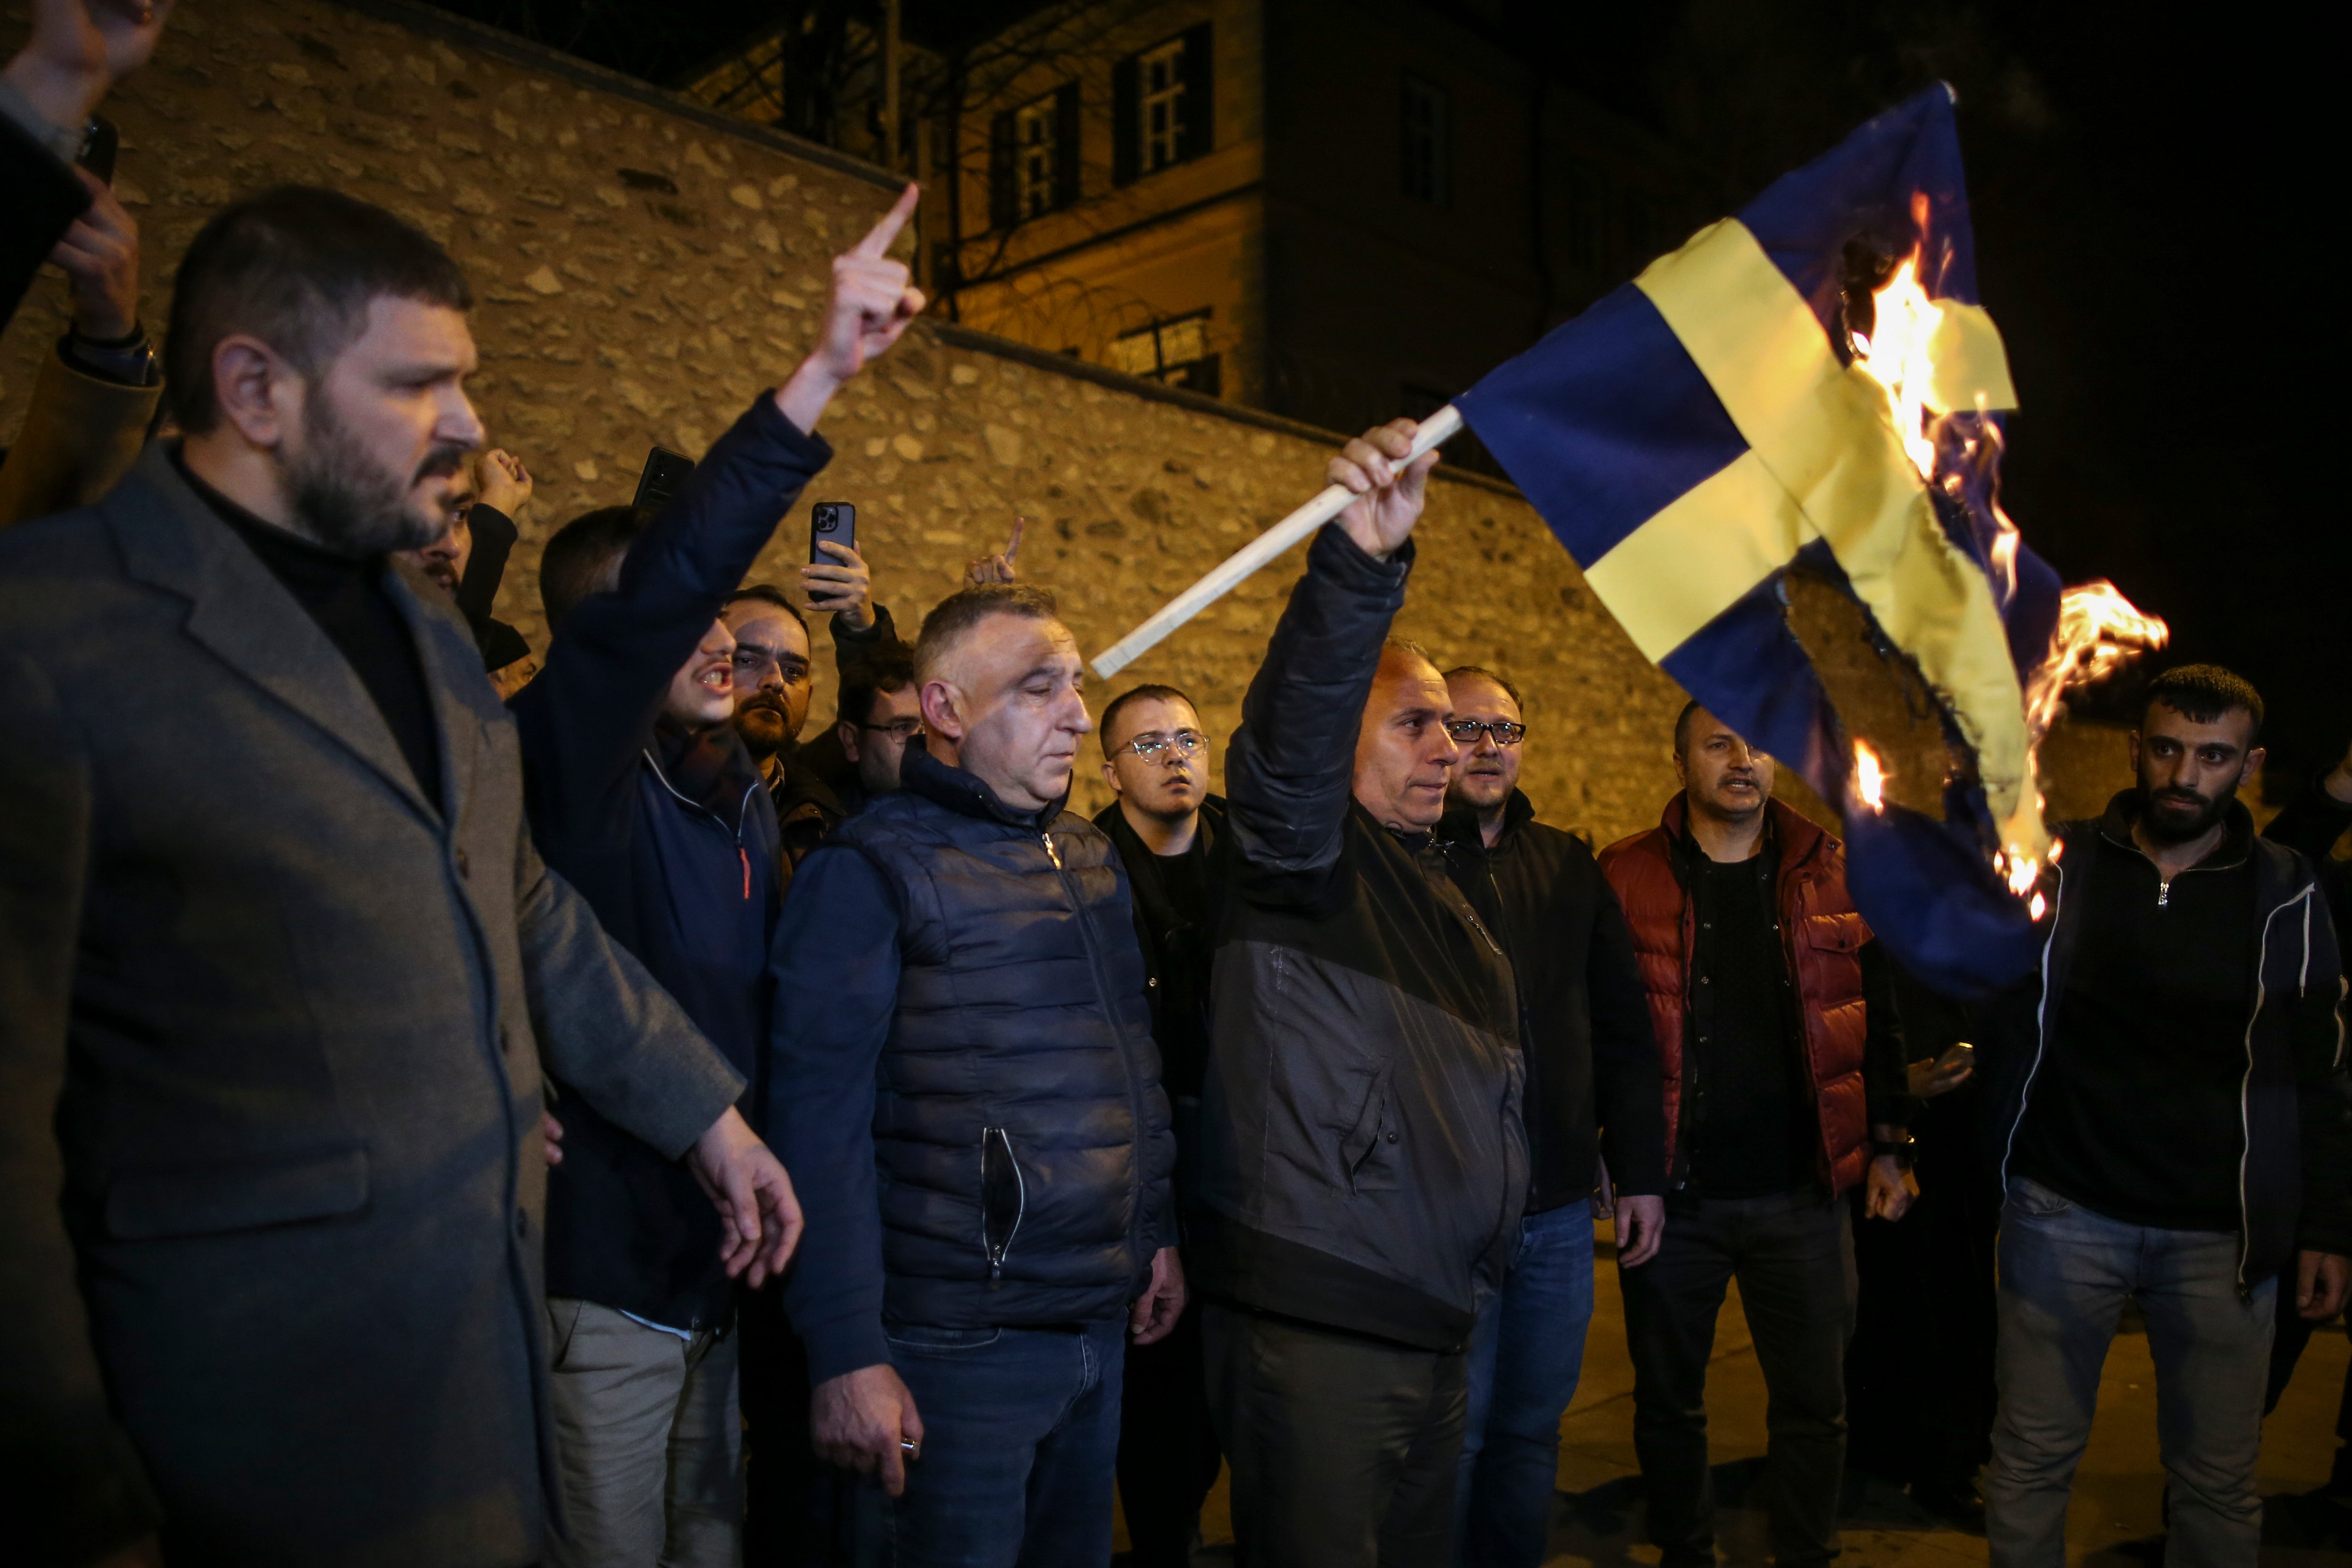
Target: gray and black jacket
[(1363, 1159)]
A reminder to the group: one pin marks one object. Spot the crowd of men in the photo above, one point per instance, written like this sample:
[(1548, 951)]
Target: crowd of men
[(404, 1038)]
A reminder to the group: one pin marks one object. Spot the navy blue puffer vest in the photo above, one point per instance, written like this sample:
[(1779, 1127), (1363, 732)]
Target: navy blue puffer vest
[(1021, 1135)]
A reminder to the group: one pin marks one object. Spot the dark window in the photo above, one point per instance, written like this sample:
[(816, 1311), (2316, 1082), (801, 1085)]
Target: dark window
[(1032, 158), (1174, 352), (1162, 106), (1427, 142)]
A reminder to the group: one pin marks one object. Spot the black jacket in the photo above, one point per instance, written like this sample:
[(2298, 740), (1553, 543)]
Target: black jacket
[(1584, 1021), (806, 789), (2296, 1181), (2312, 823), (965, 1088), (42, 198), (1363, 1161), (478, 592), (673, 843), (1177, 953)]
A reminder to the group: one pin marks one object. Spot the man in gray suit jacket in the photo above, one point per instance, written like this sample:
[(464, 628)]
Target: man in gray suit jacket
[(279, 966)]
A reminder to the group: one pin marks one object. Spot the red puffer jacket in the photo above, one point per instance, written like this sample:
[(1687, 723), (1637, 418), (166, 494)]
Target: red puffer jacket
[(1823, 936)]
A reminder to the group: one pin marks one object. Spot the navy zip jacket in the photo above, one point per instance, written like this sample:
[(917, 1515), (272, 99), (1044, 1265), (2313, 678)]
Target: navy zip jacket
[(965, 1088), (672, 840)]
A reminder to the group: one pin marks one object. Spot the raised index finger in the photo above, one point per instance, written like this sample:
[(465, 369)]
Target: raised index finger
[(1013, 545), (876, 243)]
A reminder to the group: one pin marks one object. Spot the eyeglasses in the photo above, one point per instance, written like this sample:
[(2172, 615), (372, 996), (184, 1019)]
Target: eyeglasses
[(1183, 743), (1466, 731), (903, 731)]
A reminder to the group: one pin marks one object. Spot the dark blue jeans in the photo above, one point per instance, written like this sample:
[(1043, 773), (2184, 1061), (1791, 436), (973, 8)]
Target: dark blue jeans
[(1524, 1358), (1020, 1433)]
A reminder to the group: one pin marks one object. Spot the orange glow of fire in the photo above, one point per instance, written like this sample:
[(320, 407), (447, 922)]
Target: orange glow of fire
[(2098, 632), (1894, 354), (1869, 777)]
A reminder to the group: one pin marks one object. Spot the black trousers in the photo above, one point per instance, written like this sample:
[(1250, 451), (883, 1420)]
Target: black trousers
[(798, 1512), (1793, 1256), (2287, 1344), (1168, 1455), (1920, 1389), (1344, 1448)]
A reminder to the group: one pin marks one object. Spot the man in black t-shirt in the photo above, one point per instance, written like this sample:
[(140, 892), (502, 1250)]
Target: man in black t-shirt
[(1165, 825), (2169, 1130)]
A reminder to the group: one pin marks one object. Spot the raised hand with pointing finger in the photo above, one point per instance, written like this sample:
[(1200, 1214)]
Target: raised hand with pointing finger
[(874, 300), (996, 568)]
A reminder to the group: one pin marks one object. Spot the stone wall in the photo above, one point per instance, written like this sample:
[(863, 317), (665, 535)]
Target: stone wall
[(645, 270)]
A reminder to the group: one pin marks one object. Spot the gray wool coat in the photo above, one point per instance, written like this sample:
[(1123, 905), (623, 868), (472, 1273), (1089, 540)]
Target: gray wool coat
[(272, 1031)]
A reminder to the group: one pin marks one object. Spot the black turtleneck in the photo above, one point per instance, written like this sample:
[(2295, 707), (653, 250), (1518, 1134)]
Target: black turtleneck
[(352, 604)]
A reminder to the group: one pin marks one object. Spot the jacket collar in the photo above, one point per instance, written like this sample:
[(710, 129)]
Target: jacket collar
[(172, 539), (1788, 834), (1207, 827), (709, 766), (1459, 825), (2237, 844), (965, 794)]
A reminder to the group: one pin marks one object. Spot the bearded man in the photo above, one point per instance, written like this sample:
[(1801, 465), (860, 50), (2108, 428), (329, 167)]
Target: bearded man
[(2169, 1130), (280, 972)]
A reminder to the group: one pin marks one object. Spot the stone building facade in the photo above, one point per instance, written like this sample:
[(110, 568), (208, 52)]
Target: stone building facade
[(645, 268)]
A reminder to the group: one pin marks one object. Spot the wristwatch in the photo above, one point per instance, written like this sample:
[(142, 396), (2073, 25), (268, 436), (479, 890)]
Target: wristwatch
[(1903, 1149), (129, 360)]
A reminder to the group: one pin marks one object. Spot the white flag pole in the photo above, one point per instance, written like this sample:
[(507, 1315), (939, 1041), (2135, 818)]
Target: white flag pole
[(1439, 426)]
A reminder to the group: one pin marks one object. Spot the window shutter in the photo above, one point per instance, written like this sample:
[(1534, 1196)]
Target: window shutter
[(1066, 146), (1126, 121), (1003, 192), (1199, 94)]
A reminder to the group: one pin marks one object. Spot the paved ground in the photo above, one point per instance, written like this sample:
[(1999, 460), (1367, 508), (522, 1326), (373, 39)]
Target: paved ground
[(2115, 1521)]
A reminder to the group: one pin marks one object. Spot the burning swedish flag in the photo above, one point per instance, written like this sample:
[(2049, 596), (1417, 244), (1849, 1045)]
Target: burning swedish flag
[(1814, 383)]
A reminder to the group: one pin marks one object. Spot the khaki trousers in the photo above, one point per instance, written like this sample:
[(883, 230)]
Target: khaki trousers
[(649, 1441)]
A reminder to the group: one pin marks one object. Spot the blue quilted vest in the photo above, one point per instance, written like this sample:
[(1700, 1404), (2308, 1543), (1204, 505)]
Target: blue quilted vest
[(1019, 1131)]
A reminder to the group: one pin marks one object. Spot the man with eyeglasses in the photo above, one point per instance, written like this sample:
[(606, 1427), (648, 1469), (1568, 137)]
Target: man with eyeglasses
[(1167, 826), (881, 711), (1592, 1088), (775, 677)]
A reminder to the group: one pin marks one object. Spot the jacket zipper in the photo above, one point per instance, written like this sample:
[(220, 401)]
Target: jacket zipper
[(1126, 1056), (2246, 1090), (2040, 1024), (2245, 1084), (744, 813)]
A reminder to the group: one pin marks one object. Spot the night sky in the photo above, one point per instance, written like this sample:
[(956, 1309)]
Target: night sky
[(2144, 198), (2146, 193)]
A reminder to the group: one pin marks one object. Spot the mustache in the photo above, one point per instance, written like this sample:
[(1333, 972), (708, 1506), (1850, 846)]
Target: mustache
[(442, 460), (762, 699)]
